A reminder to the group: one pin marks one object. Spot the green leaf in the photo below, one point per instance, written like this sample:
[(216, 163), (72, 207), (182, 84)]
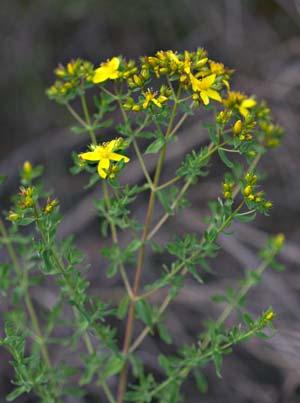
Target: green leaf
[(2, 179), (144, 311), (134, 246), (245, 217), (16, 393), (218, 359), (164, 333), (123, 307), (248, 320), (154, 147), (113, 366), (26, 221), (201, 381), (225, 159), (219, 298)]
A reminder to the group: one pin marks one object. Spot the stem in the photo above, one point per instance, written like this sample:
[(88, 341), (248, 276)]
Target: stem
[(28, 301), (140, 260), (167, 300), (76, 116), (183, 372), (61, 268), (172, 208), (168, 183), (88, 119), (243, 291), (141, 161), (184, 189), (116, 241), (108, 393)]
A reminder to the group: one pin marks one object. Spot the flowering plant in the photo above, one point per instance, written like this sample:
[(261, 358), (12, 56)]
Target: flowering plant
[(154, 98)]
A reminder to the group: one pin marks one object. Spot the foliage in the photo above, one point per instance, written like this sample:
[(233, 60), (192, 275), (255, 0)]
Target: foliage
[(155, 97)]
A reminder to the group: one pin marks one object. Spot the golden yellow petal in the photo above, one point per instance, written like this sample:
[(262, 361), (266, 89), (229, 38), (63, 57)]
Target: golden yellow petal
[(114, 63), (207, 82), (214, 95), (243, 111), (248, 103), (195, 83), (204, 97), (103, 166), (101, 75), (118, 157), (90, 156)]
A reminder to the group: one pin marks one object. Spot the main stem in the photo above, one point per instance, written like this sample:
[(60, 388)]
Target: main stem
[(140, 261)]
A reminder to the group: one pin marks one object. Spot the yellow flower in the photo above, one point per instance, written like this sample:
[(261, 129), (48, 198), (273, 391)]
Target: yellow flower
[(107, 70), (150, 97), (204, 88), (246, 104), (105, 153), (216, 68)]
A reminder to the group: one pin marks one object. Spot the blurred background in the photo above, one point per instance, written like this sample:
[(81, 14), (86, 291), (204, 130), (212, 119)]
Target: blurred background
[(261, 41)]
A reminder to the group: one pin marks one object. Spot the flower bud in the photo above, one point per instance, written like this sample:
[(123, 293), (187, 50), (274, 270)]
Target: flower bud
[(27, 167), (237, 127)]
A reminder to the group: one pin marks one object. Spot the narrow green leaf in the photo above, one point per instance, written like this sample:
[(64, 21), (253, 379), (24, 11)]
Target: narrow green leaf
[(225, 159), (155, 146)]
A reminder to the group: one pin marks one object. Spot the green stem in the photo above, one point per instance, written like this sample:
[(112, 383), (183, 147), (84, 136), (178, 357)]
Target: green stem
[(63, 272), (76, 116), (116, 241), (181, 266), (183, 372), (142, 164), (184, 189), (140, 260), (88, 119), (242, 293), (28, 301), (168, 183)]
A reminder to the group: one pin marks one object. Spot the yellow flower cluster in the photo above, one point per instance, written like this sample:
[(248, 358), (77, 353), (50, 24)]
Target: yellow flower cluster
[(71, 79), (194, 71), (188, 79), (106, 156), (50, 206), (25, 200), (253, 196), (26, 197), (148, 99), (228, 190), (271, 133), (239, 102), (242, 130)]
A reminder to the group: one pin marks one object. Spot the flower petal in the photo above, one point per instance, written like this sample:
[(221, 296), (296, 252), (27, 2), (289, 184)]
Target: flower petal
[(204, 97), (195, 83), (118, 157), (207, 82), (213, 95), (114, 63), (156, 102), (101, 74), (90, 156), (243, 111), (248, 103), (103, 166)]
